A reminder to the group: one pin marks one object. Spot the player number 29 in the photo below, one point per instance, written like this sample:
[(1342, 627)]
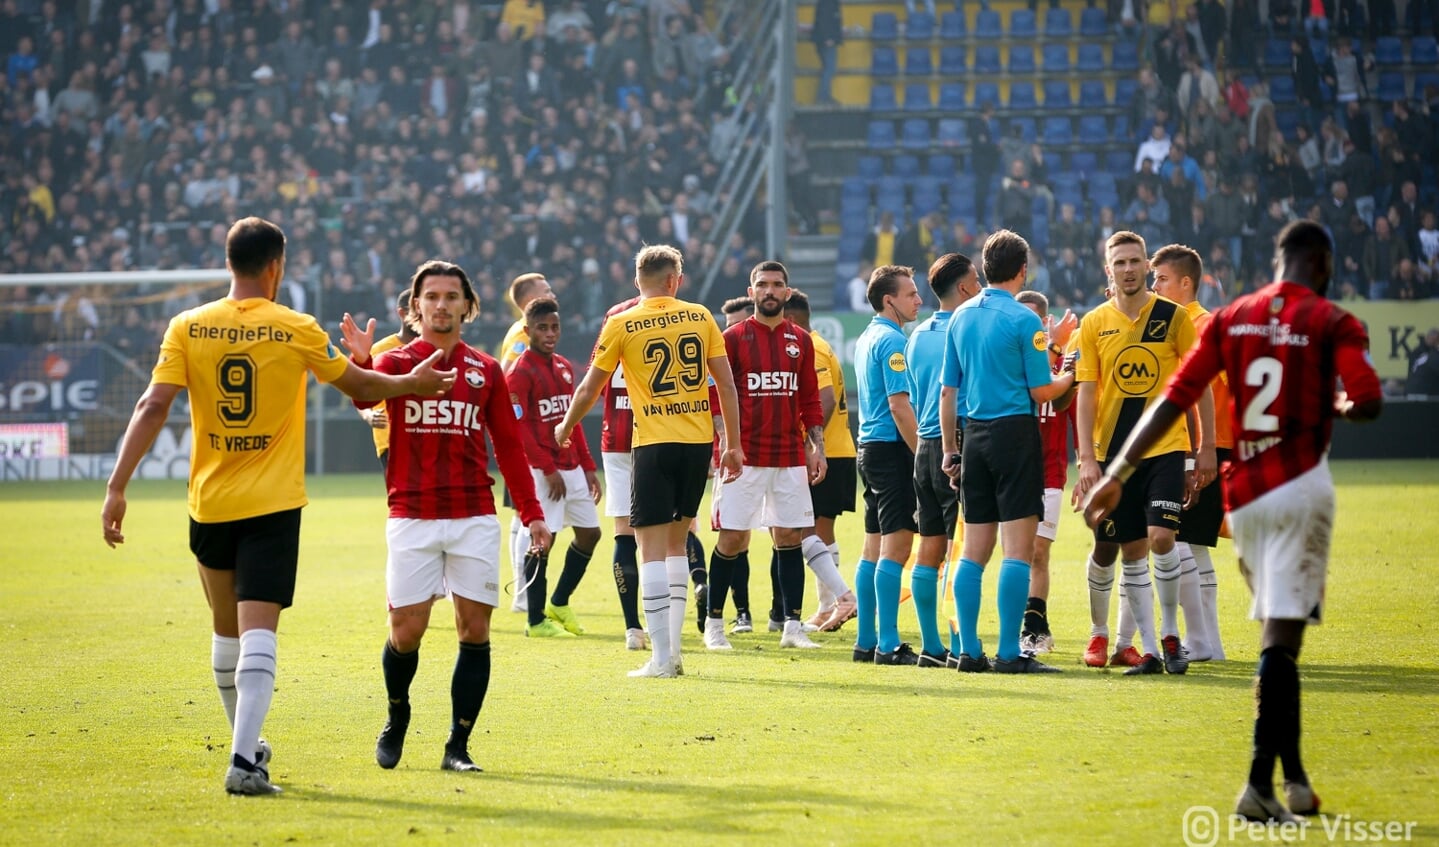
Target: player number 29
[(236, 382), (677, 363), (1267, 374)]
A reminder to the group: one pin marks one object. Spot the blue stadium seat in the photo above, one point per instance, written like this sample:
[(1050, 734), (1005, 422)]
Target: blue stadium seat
[(1084, 162), (904, 167), (880, 135), (915, 134), (961, 196), (952, 132), (987, 25), (1091, 58), (1287, 121), (1276, 53), (892, 203), (952, 26), (986, 59), (855, 187), (1021, 58), (916, 97), (951, 60), (1091, 94), (1054, 162), (951, 96), (1066, 187), (1038, 235), (1119, 162), (1122, 131), (852, 227), (884, 62), (1021, 24), (919, 26), (881, 98), (1126, 56), (1056, 94), (1423, 50), (985, 92), (871, 167), (1421, 82), (889, 186), (1021, 96), (1281, 90), (941, 166), (883, 26), (1103, 182), (1391, 86), (927, 195), (918, 62), (1058, 131), (1056, 57), (1124, 90), (1027, 129), (1093, 129), (1093, 22), (1058, 23), (1388, 51)]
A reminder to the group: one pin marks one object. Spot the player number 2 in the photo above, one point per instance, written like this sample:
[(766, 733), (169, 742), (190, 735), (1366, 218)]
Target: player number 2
[(687, 351), (236, 381), (1265, 373)]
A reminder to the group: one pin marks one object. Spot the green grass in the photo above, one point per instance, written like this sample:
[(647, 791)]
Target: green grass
[(113, 734)]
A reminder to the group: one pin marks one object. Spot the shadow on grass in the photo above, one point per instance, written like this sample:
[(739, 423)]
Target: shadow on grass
[(1346, 679)]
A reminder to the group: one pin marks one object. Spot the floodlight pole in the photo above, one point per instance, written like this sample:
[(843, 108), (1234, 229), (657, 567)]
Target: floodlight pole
[(777, 216)]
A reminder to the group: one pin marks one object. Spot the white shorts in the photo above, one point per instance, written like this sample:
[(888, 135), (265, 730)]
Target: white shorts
[(577, 509), (1049, 524), (432, 558), (1282, 540), (764, 497), (617, 484)]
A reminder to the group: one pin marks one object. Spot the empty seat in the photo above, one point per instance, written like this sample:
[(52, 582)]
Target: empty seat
[(1126, 56), (1084, 162), (918, 62), (881, 99), (1058, 131), (941, 166), (952, 132), (1122, 132), (986, 92), (926, 195), (986, 59), (1021, 59), (1091, 94), (951, 25), (1021, 96), (1276, 53), (986, 24), (1391, 86), (1056, 94), (1281, 89), (1091, 58), (1021, 24), (880, 135), (1388, 51), (1423, 50), (883, 26), (1058, 23), (904, 167), (915, 134), (884, 62), (1092, 22), (951, 60), (951, 96), (1119, 162), (1027, 129), (1056, 57), (961, 196), (919, 26), (1422, 82), (916, 97), (871, 167), (1124, 91), (1093, 129)]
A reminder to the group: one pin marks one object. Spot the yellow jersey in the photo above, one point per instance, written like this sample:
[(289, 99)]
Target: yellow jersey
[(1130, 362), (382, 434), (1223, 427), (244, 363), (838, 440), (517, 341), (664, 345)]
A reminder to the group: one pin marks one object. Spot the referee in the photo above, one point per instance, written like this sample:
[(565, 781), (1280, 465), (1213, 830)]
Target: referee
[(995, 357)]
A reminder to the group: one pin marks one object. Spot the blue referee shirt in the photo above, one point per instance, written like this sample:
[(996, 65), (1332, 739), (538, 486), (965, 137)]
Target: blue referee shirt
[(925, 355), (880, 370), (994, 353)]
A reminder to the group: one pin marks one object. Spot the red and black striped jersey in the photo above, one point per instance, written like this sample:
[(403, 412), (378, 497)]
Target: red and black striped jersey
[(778, 391), (1054, 428), (540, 390), (618, 429)]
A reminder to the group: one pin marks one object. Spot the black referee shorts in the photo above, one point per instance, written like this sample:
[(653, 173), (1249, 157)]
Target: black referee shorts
[(1153, 496), (835, 494), (938, 501), (887, 470), (1200, 523), (668, 482), (263, 551), (1002, 469)]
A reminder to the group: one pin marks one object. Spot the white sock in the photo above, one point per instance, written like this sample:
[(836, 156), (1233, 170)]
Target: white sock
[(1124, 635), (224, 653), (254, 688), (826, 572), (1139, 591), (1166, 583), (655, 600), (519, 546), (677, 571), (1101, 585), (1209, 596), (1195, 635)]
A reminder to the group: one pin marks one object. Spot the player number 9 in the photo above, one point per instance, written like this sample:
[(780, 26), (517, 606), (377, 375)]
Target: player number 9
[(236, 382)]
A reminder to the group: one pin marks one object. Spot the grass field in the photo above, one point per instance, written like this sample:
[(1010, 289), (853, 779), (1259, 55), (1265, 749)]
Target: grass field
[(113, 733)]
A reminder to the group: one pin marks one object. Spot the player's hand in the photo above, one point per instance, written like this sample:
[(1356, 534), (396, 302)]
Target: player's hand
[(1191, 489), (1062, 329), (554, 486), (731, 464), (1206, 468), (357, 341), (593, 481), (377, 417), (1343, 406), (1088, 475), (562, 436), (430, 382), (540, 537), (112, 515), (1102, 500), (950, 465), (817, 466)]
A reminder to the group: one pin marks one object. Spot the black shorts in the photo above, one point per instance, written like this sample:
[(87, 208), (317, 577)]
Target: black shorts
[(938, 501), (1200, 523), (1153, 496), (1002, 470), (668, 482), (834, 495), (887, 470), (263, 551)]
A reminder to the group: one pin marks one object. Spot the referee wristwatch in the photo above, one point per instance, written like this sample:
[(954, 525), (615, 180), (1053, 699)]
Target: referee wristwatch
[(1056, 349)]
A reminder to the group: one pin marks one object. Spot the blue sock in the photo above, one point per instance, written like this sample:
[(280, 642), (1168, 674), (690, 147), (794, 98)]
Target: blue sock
[(864, 601), (1013, 594), (924, 585), (968, 583), (953, 633), (887, 579)]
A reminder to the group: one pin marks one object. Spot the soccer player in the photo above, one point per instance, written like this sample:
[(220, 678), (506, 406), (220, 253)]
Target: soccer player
[(442, 533), (1055, 421), (773, 364), (541, 384), (375, 416), (887, 440), (953, 279), (1128, 347), (244, 359), (735, 311), (523, 289), (665, 346), (995, 361), (833, 495), (1282, 348), (1177, 272)]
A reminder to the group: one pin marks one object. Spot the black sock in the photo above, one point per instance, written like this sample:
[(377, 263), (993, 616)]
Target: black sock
[(576, 561), (695, 551), (535, 566), (399, 671), (776, 591), (739, 583), (789, 563), (467, 691), (722, 570), (1035, 621), (1276, 724), (627, 580)]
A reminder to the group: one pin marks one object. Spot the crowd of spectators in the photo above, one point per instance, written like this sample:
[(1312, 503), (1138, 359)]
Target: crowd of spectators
[(506, 136)]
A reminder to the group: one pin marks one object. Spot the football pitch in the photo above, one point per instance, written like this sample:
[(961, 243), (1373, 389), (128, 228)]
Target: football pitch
[(113, 733)]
